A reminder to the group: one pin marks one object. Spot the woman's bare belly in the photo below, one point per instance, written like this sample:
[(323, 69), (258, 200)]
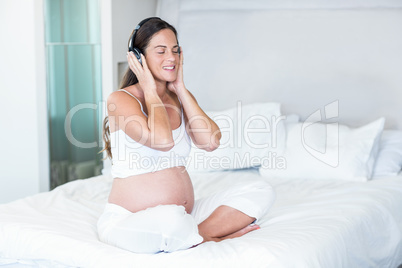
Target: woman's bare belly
[(163, 187)]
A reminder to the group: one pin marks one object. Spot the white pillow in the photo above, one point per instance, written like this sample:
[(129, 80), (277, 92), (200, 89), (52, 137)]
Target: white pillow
[(327, 151), (389, 159), (249, 133), (292, 118)]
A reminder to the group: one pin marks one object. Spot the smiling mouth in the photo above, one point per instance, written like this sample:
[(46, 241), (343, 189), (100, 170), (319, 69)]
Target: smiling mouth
[(168, 68)]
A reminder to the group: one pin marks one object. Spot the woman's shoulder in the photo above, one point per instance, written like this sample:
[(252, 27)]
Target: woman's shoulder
[(121, 97), (130, 92)]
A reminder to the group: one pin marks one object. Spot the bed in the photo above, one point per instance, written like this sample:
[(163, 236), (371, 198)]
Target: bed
[(334, 157), (344, 216), (347, 215), (313, 223)]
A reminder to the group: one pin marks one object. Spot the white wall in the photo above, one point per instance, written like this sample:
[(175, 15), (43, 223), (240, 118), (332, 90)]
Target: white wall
[(302, 54), (24, 168)]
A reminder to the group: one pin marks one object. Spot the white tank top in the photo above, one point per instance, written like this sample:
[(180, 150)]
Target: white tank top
[(133, 158)]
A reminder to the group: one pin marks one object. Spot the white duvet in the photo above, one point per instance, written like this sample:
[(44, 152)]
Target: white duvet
[(313, 223)]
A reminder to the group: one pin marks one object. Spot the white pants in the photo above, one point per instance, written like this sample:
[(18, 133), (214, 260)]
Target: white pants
[(169, 228)]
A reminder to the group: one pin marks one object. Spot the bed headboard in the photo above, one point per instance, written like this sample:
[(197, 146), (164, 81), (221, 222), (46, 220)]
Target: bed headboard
[(303, 54)]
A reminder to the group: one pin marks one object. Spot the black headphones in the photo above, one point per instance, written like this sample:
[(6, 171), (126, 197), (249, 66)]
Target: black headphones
[(137, 52)]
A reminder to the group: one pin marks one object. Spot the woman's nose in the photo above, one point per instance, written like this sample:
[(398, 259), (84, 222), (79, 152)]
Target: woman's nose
[(171, 56)]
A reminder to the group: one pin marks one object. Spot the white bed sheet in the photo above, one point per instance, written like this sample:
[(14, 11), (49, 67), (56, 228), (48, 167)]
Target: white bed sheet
[(312, 224)]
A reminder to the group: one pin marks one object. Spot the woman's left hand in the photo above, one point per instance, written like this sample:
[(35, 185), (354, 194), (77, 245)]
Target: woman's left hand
[(178, 84)]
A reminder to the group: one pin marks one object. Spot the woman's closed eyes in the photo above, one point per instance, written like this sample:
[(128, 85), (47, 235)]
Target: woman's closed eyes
[(162, 51)]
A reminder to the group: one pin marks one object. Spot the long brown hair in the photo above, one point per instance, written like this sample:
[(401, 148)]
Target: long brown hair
[(142, 39)]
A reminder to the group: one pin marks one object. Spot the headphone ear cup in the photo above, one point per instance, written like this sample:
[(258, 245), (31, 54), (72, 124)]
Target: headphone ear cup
[(137, 54)]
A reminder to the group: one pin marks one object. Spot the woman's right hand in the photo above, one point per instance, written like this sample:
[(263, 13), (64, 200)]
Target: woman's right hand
[(142, 72)]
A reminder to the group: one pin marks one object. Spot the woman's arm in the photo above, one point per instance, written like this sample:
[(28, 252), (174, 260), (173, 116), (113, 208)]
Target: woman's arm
[(154, 131), (160, 131), (204, 132)]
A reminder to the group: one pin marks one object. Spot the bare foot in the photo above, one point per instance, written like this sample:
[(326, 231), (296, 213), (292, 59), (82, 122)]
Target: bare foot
[(241, 232), (238, 233)]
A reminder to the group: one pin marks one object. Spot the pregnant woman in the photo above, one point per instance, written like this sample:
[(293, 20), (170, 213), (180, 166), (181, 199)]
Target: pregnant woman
[(147, 133)]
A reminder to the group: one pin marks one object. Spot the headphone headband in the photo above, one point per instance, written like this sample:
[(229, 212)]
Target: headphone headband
[(131, 44)]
